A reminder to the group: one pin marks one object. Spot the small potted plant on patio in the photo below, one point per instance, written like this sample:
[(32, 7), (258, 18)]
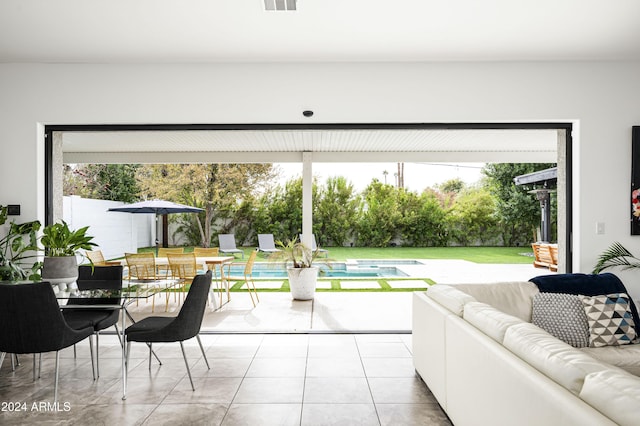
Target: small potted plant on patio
[(62, 245), (302, 273), (17, 245)]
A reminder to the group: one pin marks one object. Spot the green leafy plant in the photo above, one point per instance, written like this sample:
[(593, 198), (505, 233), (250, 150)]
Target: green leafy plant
[(17, 247), (296, 253), (616, 255), (59, 240)]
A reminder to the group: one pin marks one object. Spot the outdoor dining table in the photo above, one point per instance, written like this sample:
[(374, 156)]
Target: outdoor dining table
[(113, 299)]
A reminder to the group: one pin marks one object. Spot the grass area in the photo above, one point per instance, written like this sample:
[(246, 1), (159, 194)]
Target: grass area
[(505, 255)]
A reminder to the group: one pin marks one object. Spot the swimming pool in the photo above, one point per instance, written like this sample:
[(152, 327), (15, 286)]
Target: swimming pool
[(349, 269)]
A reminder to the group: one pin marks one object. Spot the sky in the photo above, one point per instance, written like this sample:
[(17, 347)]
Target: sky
[(417, 176)]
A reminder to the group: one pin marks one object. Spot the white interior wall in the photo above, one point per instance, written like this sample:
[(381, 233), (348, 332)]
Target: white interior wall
[(600, 98)]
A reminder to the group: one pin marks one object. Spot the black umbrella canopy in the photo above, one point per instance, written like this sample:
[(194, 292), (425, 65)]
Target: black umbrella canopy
[(157, 207)]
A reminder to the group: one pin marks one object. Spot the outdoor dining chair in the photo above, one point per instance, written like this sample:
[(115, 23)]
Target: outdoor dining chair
[(227, 243), (206, 251), (266, 244), (182, 267), (32, 323), (96, 278), (142, 271), (97, 259), (248, 277), (163, 252), (185, 326)]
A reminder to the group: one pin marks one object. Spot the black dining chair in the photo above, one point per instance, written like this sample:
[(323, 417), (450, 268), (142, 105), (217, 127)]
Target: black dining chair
[(96, 278), (175, 329), (32, 323)]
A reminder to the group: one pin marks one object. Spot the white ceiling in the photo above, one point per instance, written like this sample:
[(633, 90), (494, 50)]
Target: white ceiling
[(341, 145), (99, 31)]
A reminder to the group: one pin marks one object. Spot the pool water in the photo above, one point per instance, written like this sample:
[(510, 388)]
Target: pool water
[(350, 269)]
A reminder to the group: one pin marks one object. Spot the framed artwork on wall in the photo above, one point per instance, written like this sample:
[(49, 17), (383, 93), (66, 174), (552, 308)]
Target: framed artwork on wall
[(635, 181)]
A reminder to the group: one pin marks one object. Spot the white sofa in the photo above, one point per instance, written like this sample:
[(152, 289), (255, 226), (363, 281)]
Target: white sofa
[(486, 364)]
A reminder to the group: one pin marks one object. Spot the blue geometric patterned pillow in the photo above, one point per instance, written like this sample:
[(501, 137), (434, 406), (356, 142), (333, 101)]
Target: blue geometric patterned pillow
[(610, 320)]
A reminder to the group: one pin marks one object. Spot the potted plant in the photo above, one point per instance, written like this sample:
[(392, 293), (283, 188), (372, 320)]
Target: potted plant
[(17, 246), (62, 245), (302, 273)]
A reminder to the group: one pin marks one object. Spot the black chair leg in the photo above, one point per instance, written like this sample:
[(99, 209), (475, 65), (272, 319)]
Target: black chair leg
[(97, 354), (55, 384), (184, 355), (93, 366), (118, 334), (202, 350), (150, 352)]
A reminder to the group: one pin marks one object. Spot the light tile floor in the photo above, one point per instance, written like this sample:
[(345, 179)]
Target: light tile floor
[(255, 379)]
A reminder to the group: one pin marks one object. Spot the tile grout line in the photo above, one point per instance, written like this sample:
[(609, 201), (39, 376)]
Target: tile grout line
[(366, 376), (306, 368), (244, 376)]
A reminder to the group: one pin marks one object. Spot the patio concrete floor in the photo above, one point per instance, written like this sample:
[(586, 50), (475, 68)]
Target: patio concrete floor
[(336, 312)]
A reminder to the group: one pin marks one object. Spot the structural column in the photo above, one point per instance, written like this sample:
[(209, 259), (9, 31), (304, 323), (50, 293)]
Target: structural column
[(307, 195)]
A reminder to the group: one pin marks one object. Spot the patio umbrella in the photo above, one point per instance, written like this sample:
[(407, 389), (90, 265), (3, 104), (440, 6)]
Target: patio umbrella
[(162, 207), (157, 207)]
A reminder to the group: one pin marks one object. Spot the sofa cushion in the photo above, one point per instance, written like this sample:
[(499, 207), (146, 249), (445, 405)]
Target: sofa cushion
[(615, 394), (489, 320), (562, 316), (610, 319), (626, 357), (559, 361), (586, 284), (513, 298), (449, 297)]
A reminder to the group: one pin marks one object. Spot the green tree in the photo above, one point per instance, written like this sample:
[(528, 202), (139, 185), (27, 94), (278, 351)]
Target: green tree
[(471, 219), (335, 212), (116, 182), (224, 191), (517, 211), (281, 212), (379, 215), (423, 220), (454, 186)]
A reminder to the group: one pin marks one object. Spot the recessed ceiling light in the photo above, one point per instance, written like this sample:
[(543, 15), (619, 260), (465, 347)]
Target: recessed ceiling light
[(280, 4)]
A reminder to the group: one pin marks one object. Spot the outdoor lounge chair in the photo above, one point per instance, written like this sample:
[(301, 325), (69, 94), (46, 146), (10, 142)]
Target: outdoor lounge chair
[(266, 244), (227, 244), (314, 245)]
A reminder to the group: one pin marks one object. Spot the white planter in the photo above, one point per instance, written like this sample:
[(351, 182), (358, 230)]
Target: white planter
[(302, 282)]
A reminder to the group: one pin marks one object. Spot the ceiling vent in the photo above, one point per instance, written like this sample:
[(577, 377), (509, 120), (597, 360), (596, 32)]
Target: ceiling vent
[(280, 4)]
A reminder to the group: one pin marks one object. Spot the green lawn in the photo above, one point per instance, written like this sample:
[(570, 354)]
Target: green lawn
[(520, 255)]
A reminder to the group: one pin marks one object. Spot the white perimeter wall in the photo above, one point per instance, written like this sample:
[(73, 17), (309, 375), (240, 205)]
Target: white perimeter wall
[(115, 233), (602, 99)]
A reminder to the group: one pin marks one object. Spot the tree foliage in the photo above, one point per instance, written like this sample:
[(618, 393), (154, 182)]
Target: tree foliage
[(220, 189), (471, 219), (423, 220), (116, 182), (379, 215), (335, 212), (517, 211)]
